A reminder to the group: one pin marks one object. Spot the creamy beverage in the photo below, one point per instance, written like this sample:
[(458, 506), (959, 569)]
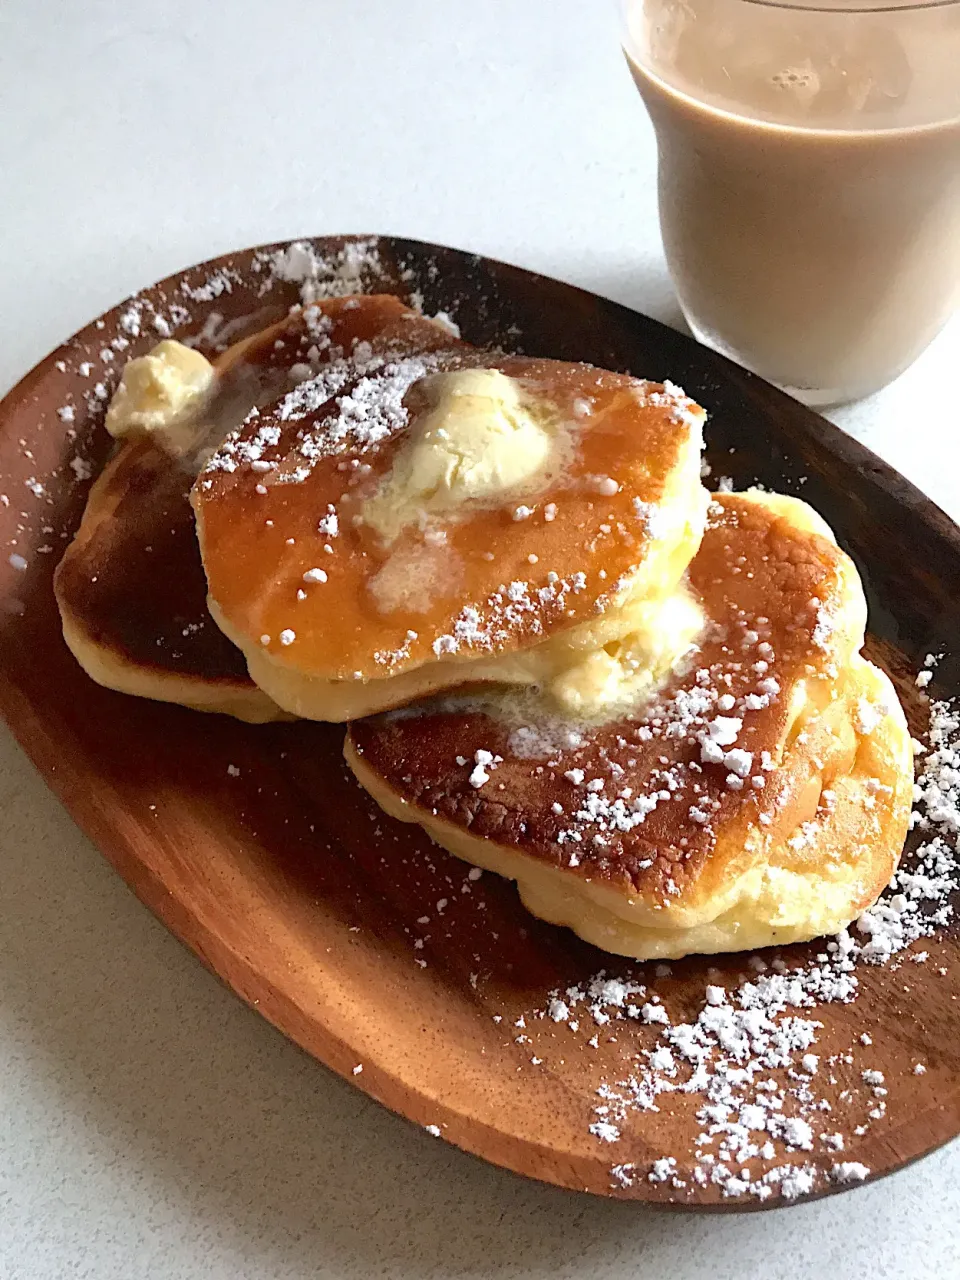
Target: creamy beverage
[(809, 180)]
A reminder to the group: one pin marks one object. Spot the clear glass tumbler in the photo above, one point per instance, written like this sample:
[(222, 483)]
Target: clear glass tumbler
[(809, 179)]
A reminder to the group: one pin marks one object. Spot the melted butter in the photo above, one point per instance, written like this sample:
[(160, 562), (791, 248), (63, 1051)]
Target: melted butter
[(412, 578), (482, 439), (159, 394), (657, 635)]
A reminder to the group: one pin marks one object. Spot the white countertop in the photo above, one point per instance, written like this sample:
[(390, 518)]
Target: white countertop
[(151, 1125)]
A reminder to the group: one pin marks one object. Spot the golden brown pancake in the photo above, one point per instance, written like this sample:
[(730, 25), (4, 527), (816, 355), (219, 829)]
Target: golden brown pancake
[(131, 587), (761, 797), (336, 620)]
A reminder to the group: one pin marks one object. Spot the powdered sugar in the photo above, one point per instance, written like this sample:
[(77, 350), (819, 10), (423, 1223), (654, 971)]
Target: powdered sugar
[(542, 740), (483, 763), (670, 396), (513, 609), (655, 522), (345, 271), (849, 1171), (217, 283), (359, 405), (750, 1058), (919, 898)]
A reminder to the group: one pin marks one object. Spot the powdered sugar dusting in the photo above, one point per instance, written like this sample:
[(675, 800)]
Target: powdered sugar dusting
[(518, 607), (655, 521), (346, 271), (750, 1059), (675, 399), (355, 404)]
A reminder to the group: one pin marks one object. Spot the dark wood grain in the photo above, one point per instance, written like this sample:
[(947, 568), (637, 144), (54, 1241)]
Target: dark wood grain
[(287, 881)]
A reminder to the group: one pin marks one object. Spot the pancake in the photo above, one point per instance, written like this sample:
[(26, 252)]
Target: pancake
[(761, 797), (363, 551), (132, 594), (131, 587)]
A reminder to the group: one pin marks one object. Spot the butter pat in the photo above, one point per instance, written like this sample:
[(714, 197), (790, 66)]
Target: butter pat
[(480, 441), (159, 391), (657, 635)]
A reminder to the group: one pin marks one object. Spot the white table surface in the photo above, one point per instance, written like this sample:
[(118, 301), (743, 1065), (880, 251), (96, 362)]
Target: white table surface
[(151, 1125)]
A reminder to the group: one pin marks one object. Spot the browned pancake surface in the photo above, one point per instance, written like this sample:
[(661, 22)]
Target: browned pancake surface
[(634, 802), (134, 579)]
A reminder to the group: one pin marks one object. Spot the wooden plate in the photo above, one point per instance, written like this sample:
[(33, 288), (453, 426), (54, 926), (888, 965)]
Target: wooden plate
[(364, 943)]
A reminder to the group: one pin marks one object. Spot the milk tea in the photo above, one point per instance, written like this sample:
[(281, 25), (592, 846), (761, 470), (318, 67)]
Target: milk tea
[(809, 182)]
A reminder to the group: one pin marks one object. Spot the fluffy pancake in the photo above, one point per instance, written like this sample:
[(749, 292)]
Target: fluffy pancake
[(132, 594), (761, 797), (344, 605), (131, 587)]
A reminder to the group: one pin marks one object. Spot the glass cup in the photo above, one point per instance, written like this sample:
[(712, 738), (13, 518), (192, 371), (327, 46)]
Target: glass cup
[(809, 179)]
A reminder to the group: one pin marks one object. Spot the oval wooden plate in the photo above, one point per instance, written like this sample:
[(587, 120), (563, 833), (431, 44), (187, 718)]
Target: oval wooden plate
[(353, 934)]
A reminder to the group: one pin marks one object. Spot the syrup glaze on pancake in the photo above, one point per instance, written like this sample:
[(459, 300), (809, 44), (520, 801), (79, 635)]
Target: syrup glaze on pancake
[(131, 586), (280, 504), (660, 815)]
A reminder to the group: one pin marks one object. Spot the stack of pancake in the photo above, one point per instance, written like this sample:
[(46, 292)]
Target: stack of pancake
[(557, 653)]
